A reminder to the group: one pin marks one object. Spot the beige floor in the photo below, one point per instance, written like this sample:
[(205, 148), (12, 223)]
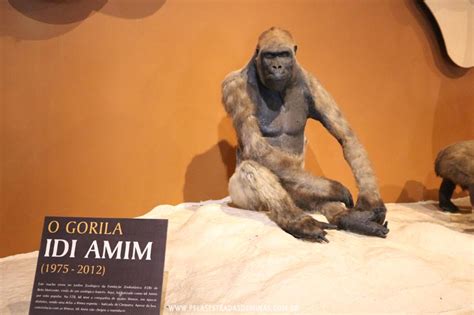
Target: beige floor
[(219, 256)]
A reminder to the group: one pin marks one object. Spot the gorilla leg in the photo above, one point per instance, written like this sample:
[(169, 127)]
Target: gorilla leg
[(326, 196), (308, 190), (471, 195), (254, 187), (445, 193)]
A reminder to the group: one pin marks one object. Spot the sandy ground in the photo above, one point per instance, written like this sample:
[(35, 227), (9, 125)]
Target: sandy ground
[(221, 258)]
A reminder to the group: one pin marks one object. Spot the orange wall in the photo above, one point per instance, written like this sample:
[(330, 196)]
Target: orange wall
[(110, 108)]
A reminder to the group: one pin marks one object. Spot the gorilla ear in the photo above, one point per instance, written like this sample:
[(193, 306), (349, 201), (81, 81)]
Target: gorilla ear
[(256, 51), (295, 48)]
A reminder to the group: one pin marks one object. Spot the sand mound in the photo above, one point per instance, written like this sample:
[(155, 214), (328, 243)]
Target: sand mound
[(218, 255)]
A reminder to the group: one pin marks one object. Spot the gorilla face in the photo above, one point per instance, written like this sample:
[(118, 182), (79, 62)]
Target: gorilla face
[(275, 67)]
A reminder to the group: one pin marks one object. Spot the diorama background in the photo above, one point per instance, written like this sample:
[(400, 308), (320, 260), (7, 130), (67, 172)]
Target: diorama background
[(110, 108)]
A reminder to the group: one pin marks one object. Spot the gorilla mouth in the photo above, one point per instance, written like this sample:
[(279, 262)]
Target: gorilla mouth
[(277, 76)]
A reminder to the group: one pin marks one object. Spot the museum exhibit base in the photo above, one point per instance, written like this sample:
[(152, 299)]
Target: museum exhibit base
[(217, 254)]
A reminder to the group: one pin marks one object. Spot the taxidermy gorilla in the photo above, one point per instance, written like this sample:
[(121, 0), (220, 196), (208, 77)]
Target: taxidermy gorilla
[(455, 164), (269, 101)]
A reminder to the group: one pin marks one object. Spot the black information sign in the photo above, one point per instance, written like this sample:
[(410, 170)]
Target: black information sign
[(99, 265)]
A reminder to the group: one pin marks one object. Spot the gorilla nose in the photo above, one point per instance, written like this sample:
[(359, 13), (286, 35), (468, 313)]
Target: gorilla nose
[(276, 67)]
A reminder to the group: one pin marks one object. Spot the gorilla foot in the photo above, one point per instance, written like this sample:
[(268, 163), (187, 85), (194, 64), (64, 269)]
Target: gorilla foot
[(448, 207), (362, 222), (307, 228)]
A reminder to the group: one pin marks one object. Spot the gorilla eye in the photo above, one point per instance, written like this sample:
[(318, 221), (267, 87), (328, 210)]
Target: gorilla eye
[(285, 54), (268, 55)]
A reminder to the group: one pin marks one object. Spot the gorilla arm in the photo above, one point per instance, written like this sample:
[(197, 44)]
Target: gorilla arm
[(325, 109)]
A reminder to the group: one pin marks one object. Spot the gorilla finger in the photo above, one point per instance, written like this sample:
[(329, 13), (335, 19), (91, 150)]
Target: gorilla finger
[(350, 203), (379, 214), (323, 238), (319, 237), (328, 226), (378, 230), (342, 194), (311, 236), (382, 232), (347, 199)]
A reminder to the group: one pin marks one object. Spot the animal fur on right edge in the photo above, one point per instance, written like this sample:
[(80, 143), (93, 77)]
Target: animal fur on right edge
[(455, 164), (270, 101)]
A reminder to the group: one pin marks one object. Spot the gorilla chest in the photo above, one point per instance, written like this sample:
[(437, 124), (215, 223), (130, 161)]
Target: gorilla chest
[(282, 115)]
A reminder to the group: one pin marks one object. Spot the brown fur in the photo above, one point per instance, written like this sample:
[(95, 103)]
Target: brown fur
[(456, 163), (275, 37), (272, 179)]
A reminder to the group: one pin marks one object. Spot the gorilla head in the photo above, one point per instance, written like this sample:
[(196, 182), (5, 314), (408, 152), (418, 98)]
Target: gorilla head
[(275, 58)]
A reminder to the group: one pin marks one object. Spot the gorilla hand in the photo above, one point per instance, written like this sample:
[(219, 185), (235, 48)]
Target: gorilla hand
[(375, 206)]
